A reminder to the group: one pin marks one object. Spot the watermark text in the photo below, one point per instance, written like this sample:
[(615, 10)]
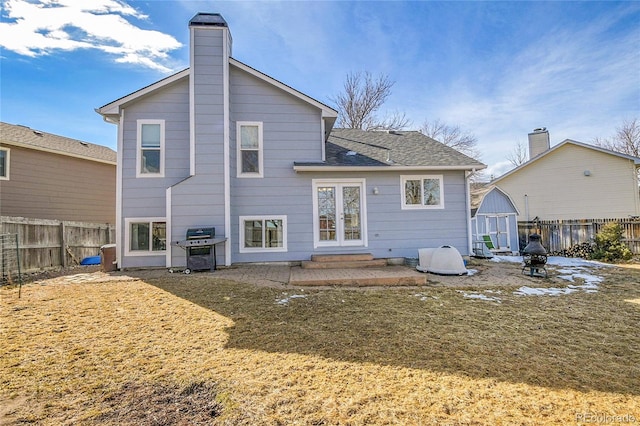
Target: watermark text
[(602, 418)]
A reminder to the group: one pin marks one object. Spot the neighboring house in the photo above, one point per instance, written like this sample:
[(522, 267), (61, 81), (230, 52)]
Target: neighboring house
[(572, 180), (46, 176), (221, 144), (494, 214)]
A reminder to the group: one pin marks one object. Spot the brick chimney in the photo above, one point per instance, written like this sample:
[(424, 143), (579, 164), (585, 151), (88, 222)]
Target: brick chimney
[(538, 142)]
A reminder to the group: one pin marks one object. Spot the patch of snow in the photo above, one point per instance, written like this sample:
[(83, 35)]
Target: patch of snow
[(574, 262), (571, 268), (538, 291), (285, 300), (513, 259), (424, 297), (555, 261), (590, 286), (588, 278), (481, 296), (566, 277), (472, 272)]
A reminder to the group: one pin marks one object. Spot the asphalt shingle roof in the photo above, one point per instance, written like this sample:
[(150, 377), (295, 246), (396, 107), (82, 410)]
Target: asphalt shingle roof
[(353, 147), (25, 136)]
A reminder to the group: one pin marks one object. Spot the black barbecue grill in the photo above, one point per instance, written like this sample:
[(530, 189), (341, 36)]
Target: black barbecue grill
[(200, 246)]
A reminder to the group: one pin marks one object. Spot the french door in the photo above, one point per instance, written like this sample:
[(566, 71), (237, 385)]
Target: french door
[(339, 213)]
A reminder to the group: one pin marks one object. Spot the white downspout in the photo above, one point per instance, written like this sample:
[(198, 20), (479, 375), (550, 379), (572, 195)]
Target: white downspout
[(168, 220), (119, 230), (468, 205), (226, 150)]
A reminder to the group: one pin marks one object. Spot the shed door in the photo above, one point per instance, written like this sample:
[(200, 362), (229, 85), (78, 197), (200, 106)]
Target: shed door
[(498, 229)]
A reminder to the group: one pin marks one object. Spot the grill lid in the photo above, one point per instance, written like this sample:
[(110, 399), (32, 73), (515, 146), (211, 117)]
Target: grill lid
[(200, 233)]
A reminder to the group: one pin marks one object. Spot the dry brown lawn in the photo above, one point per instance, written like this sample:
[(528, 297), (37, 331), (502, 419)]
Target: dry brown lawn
[(177, 349)]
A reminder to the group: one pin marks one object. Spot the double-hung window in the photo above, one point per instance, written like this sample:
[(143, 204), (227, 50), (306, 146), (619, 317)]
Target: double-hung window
[(150, 153), (422, 192), (4, 163), (146, 236), (249, 143), (263, 233)]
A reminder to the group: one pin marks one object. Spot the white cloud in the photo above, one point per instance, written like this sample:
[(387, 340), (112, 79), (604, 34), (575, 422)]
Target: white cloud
[(39, 28), (576, 81)]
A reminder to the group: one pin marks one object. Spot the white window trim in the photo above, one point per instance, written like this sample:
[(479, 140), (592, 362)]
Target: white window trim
[(315, 184), (421, 206), (244, 249), (239, 173), (139, 173), (127, 236), (8, 163)]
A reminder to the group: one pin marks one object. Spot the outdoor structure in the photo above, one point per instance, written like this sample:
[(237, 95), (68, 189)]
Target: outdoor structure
[(494, 214), (572, 180), (47, 176), (223, 145)]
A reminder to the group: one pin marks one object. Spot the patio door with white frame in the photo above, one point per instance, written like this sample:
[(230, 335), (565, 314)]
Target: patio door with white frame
[(339, 216)]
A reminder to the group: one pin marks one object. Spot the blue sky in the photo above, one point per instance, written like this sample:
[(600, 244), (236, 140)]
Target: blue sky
[(497, 69)]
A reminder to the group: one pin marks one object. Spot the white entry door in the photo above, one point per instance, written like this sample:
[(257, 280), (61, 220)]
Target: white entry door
[(339, 217), (498, 227)]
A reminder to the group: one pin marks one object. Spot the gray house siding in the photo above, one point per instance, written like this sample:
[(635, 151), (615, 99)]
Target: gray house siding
[(146, 197), (391, 231), (291, 132), (394, 232)]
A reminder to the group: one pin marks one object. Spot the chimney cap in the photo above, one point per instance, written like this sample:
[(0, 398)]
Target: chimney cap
[(208, 20), (540, 129)]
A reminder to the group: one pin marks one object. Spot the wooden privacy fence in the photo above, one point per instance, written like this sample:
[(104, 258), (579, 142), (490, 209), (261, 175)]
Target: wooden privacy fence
[(44, 243), (560, 235)]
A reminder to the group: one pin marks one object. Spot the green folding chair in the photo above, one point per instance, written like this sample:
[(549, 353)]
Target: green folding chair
[(488, 242)]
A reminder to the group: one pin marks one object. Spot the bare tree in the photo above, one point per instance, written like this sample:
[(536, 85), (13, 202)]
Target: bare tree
[(518, 156), (626, 139), (396, 121), (452, 136), (362, 97)]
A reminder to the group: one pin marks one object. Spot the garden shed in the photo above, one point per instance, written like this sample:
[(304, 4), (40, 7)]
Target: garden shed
[(494, 220)]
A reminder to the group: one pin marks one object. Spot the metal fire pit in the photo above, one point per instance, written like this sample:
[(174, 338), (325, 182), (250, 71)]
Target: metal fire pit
[(534, 257), (200, 247)]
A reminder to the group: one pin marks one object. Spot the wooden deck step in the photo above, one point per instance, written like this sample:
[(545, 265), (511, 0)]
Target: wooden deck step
[(344, 264), (355, 257), (387, 276)]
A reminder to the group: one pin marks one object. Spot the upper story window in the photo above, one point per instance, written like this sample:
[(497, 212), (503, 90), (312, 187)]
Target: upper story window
[(249, 143), (422, 192), (4, 163), (150, 153)]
